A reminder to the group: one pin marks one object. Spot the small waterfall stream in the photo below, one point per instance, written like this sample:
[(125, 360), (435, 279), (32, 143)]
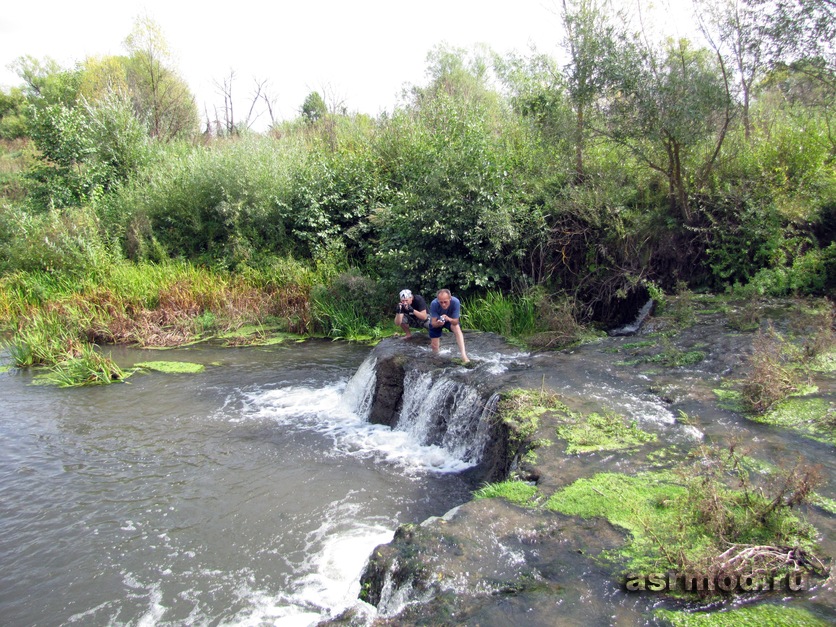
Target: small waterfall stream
[(437, 409)]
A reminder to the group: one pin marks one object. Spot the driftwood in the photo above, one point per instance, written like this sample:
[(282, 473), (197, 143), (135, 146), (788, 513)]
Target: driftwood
[(765, 559)]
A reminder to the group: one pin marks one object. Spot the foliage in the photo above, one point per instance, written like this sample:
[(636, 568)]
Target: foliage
[(85, 151), (65, 240), (703, 516), (517, 492)]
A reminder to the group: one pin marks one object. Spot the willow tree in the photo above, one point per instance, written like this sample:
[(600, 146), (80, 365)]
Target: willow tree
[(731, 26), (589, 40), (159, 94), (671, 108)]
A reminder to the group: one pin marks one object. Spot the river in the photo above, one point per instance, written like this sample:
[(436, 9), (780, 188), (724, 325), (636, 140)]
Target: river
[(253, 493), (250, 493)]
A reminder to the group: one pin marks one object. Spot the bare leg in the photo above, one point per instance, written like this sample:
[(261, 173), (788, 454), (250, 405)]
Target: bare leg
[(434, 343), (402, 323), (457, 331)]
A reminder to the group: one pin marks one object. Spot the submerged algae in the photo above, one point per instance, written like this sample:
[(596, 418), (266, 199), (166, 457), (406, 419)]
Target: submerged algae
[(811, 417), (764, 615), (171, 366)]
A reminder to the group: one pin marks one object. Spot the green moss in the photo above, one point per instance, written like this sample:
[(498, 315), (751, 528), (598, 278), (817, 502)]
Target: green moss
[(5, 368), (810, 417), (171, 366), (828, 505), (601, 432), (521, 411), (640, 504), (677, 519), (764, 615), (730, 399), (825, 363), (517, 492), (621, 499), (642, 344)]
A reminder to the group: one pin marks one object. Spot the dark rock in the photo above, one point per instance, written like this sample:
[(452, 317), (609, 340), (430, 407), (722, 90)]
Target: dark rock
[(388, 391)]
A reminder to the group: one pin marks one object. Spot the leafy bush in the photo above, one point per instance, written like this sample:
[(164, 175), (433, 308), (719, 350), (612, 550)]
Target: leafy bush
[(351, 307), (65, 240)]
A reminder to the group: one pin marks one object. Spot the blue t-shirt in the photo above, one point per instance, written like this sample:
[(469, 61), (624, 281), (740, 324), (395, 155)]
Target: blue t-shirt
[(453, 311)]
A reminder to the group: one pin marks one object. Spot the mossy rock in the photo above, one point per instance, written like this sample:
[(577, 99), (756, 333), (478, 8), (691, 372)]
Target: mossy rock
[(171, 367), (764, 615), (811, 417)]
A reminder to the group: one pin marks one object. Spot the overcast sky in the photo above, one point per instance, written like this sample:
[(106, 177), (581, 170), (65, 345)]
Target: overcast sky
[(362, 52)]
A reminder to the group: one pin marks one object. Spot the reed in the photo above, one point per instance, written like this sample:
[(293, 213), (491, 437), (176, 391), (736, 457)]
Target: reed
[(506, 315)]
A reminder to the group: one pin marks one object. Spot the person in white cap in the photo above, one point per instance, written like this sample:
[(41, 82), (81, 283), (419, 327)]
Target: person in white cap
[(411, 312)]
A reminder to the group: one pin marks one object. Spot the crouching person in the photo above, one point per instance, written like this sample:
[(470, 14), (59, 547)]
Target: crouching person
[(412, 312), (445, 311)]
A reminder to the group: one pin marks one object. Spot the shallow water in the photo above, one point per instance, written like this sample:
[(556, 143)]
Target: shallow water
[(246, 494)]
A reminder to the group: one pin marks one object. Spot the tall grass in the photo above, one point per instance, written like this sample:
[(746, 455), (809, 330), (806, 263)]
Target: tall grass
[(57, 317), (506, 315)]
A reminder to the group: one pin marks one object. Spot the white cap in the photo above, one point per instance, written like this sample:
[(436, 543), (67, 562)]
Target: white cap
[(406, 294)]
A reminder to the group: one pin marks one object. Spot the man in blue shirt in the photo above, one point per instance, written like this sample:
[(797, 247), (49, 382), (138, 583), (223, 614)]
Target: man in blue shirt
[(445, 311)]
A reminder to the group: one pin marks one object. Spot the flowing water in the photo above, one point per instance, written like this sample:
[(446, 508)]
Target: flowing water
[(251, 493)]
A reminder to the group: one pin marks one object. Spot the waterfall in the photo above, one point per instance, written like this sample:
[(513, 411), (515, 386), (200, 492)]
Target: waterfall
[(438, 407), (633, 327), (359, 391), (438, 410)]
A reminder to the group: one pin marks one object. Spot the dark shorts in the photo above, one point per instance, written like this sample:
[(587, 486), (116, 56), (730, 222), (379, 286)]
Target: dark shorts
[(416, 323), (436, 331)]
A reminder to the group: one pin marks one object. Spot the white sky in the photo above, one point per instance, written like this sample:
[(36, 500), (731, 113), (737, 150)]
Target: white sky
[(361, 52)]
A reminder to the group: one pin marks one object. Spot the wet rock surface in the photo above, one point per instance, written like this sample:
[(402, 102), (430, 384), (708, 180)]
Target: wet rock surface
[(489, 562)]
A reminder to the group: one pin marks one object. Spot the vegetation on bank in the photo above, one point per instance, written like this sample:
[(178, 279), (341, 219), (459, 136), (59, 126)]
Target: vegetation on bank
[(550, 199)]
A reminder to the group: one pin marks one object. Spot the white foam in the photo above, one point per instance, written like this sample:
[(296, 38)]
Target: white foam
[(326, 410)]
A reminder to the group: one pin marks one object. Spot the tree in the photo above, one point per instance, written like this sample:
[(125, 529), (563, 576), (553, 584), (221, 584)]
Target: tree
[(159, 94), (313, 108), (47, 83), (733, 25), (102, 76), (589, 41), (664, 106), (12, 114)]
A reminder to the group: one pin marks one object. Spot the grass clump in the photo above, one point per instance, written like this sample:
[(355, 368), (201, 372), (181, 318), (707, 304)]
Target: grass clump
[(606, 431), (86, 367), (707, 515), (773, 375), (533, 318), (517, 492)]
